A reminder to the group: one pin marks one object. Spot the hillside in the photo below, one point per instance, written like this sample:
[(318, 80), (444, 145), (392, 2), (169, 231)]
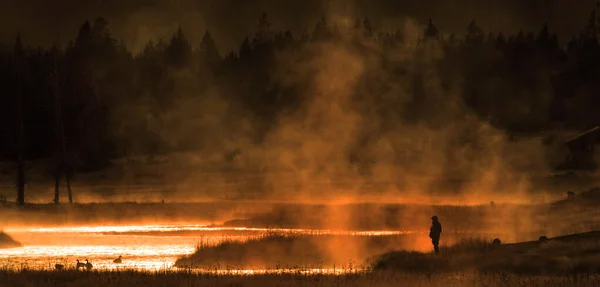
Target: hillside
[(570, 254)]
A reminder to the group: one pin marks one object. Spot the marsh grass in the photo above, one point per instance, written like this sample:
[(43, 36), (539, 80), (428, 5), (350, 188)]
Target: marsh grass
[(6, 241), (275, 249), (165, 278), (264, 251)]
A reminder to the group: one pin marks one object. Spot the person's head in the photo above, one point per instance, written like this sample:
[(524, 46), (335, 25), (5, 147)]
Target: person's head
[(434, 218)]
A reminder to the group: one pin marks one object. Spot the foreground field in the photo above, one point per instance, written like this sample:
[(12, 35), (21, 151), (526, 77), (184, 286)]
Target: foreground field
[(130, 278)]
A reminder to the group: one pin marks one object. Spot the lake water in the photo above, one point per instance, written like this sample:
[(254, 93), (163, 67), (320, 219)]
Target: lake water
[(147, 247)]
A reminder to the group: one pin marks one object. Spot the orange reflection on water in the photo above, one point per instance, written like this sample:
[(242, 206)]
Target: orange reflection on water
[(173, 228), (336, 271), (143, 247)]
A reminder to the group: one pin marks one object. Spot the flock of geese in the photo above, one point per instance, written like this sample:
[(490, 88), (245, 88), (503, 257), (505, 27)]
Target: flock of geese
[(86, 265)]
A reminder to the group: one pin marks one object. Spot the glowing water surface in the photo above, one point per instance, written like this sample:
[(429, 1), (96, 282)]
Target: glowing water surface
[(146, 247)]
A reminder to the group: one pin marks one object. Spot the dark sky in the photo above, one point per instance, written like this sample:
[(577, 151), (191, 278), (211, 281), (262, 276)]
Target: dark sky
[(136, 21)]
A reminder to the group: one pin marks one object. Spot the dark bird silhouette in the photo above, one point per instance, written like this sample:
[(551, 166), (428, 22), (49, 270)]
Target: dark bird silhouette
[(118, 260), (88, 265), (59, 266), (80, 264)]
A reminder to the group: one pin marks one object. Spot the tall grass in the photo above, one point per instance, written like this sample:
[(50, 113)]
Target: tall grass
[(383, 279), (286, 250), (268, 250), (6, 241)]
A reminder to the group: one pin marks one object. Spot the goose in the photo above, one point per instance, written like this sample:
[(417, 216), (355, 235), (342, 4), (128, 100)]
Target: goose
[(118, 260), (80, 264), (59, 266), (88, 265)]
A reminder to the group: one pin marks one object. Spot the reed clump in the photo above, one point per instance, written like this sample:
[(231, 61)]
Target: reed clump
[(7, 242)]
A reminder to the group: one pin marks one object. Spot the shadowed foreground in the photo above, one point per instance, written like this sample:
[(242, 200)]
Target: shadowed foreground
[(571, 254), (130, 278)]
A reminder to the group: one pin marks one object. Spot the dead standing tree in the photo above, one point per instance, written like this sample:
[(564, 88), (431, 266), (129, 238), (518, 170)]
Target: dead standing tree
[(18, 59), (61, 166)]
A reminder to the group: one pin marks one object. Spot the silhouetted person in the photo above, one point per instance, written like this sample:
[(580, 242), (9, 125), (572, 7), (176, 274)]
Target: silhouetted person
[(434, 233)]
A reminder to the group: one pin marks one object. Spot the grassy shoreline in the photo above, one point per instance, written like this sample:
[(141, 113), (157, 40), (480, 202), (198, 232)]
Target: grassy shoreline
[(277, 250), (564, 255)]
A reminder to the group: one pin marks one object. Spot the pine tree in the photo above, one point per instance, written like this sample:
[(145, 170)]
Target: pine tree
[(520, 39), (304, 36), (431, 32), (500, 41), (208, 49), (475, 35), (245, 49), (543, 37), (589, 35), (179, 50), (322, 32), (84, 38), (264, 34)]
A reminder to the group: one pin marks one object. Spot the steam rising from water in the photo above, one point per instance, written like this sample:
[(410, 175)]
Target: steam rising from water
[(360, 130), (369, 122), (152, 249)]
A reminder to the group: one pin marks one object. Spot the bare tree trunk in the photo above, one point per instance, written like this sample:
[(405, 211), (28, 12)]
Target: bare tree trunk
[(60, 135), (58, 155), (20, 160), (56, 188), (68, 177)]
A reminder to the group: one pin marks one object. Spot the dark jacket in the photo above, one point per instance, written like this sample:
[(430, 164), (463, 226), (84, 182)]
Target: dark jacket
[(435, 230)]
